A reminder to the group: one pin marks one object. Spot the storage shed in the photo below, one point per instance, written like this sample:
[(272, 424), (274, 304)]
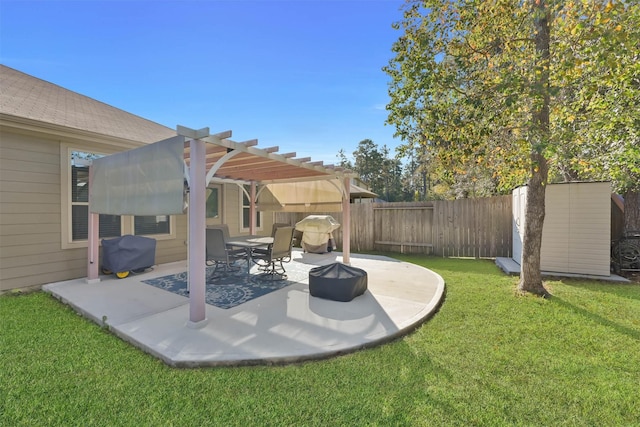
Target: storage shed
[(576, 236)]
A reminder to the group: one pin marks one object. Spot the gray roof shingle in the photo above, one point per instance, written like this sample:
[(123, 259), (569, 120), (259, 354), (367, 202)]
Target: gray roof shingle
[(25, 96)]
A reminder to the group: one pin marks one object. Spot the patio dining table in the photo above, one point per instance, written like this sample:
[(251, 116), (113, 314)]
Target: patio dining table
[(249, 243)]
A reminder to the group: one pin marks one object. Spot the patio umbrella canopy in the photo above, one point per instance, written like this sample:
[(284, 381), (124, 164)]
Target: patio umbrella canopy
[(316, 232), (306, 196)]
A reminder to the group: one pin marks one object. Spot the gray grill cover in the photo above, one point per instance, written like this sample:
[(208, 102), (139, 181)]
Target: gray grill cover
[(128, 253), (337, 281)]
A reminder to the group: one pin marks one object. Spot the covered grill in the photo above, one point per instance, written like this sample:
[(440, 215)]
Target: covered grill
[(316, 233), (128, 253)]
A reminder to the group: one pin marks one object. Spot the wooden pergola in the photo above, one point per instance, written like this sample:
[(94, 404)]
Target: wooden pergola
[(216, 158)]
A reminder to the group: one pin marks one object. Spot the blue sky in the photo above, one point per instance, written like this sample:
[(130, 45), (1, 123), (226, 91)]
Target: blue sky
[(304, 75)]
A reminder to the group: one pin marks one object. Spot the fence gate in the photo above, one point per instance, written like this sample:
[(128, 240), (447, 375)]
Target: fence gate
[(404, 227)]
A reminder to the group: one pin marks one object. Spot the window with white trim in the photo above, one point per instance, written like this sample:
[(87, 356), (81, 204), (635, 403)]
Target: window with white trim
[(151, 225), (213, 202), (110, 225), (77, 211), (246, 210)]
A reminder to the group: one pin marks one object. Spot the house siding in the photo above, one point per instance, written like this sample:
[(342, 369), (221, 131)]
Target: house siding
[(41, 123), (30, 212), (31, 251), (233, 205), (172, 250), (232, 212)]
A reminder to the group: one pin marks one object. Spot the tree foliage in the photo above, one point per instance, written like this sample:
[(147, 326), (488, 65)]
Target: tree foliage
[(464, 80), (597, 73), (517, 89), (382, 173)]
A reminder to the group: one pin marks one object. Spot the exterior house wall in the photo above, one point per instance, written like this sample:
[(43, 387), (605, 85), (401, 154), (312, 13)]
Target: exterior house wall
[(576, 237), (30, 217), (231, 214), (41, 124), (268, 217), (32, 251), (232, 208)]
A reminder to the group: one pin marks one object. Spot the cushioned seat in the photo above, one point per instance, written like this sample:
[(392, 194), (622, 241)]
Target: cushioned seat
[(219, 253), (337, 282), (271, 260)]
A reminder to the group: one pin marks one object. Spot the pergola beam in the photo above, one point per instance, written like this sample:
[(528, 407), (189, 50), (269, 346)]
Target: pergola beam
[(250, 143)]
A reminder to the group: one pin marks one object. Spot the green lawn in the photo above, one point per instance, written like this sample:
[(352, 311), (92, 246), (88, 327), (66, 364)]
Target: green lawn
[(488, 357)]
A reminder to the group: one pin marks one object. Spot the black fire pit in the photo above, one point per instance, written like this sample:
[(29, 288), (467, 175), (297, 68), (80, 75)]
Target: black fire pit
[(337, 282)]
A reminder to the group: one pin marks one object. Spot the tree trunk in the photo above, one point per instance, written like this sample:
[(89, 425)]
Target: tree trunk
[(631, 211), (530, 275)]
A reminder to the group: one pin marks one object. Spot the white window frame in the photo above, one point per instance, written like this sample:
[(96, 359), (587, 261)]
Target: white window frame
[(130, 228), (218, 188), (243, 207)]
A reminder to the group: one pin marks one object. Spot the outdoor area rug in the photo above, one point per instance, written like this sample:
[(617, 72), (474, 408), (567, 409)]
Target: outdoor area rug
[(225, 290)]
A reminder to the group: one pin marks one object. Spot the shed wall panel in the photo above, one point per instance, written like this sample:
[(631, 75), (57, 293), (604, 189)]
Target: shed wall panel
[(576, 236), (554, 254), (590, 228)]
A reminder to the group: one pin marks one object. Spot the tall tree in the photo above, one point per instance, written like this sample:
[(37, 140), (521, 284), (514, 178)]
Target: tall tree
[(598, 91), (525, 90), (461, 89), (369, 164), (343, 160), (531, 276), (470, 82), (383, 174), (392, 176)]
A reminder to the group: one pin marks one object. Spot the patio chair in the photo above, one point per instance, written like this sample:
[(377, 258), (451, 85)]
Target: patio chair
[(219, 253), (270, 260), (224, 228), (277, 225)]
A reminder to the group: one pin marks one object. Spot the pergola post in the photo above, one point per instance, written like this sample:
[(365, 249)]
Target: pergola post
[(252, 208), (93, 239), (346, 222), (197, 226)]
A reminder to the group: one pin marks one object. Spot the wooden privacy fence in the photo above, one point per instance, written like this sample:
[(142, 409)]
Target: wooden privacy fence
[(479, 228)]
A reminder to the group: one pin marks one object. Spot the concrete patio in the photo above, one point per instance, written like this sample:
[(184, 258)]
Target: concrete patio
[(284, 326)]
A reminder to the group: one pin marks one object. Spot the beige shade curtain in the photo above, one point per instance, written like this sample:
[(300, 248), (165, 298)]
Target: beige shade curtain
[(144, 181), (306, 196)]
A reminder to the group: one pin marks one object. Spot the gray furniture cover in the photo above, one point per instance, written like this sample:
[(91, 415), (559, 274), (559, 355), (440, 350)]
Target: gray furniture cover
[(337, 282), (127, 253)]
